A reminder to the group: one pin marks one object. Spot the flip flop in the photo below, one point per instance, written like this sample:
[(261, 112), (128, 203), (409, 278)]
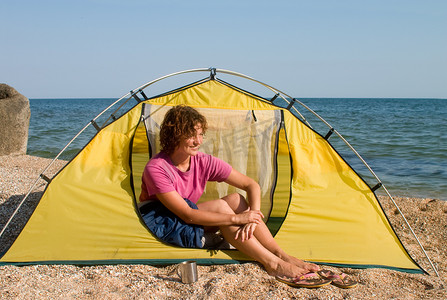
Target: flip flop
[(341, 280), (309, 280)]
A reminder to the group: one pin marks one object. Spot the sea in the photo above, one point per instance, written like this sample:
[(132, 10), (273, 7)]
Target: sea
[(403, 141)]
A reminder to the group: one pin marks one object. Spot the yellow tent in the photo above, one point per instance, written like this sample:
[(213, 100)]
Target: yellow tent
[(317, 207)]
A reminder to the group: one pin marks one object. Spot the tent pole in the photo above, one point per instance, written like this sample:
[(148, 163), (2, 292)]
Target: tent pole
[(391, 198), (355, 152), (40, 177), (412, 232), (19, 206), (214, 71), (276, 91), (58, 155)]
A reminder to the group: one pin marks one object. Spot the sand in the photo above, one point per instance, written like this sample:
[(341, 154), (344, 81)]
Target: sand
[(428, 217)]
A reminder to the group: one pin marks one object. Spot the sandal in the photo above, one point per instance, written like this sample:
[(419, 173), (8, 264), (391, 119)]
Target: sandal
[(309, 280), (341, 280)]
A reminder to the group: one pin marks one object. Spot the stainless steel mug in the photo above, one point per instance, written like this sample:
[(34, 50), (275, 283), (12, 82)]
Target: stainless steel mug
[(187, 271)]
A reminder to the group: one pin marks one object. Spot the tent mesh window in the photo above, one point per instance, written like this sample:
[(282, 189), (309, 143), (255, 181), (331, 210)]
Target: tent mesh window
[(252, 142)]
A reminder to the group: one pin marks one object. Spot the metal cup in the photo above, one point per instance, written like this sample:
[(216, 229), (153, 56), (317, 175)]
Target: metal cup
[(187, 271)]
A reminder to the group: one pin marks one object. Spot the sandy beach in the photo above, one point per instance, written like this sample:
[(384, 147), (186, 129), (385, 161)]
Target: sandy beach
[(428, 217)]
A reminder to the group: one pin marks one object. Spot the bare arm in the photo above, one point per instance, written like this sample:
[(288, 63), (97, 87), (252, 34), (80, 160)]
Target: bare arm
[(175, 203)]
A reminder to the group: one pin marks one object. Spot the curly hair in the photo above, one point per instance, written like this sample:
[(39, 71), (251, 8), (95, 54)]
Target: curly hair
[(179, 123)]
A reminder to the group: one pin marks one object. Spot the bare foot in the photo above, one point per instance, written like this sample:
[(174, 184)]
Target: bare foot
[(301, 264), (283, 268), (312, 267)]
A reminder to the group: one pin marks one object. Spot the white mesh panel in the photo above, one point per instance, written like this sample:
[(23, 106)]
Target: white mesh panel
[(243, 138)]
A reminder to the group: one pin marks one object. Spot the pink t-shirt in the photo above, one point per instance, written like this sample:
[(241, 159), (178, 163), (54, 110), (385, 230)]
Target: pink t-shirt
[(161, 176)]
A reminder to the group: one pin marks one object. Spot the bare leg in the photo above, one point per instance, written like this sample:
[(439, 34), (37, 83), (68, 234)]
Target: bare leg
[(263, 235), (252, 247)]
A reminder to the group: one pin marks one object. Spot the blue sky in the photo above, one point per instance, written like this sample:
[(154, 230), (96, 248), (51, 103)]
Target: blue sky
[(99, 48)]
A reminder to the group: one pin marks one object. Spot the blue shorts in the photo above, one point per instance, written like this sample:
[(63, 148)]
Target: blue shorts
[(169, 228)]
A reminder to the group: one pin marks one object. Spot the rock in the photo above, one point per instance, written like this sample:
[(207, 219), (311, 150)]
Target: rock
[(423, 205), (14, 121)]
